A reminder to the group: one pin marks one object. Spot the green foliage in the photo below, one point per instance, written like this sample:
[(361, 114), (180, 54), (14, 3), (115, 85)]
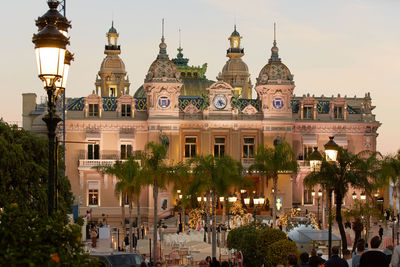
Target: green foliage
[(242, 239), (278, 251), (23, 171), (256, 242), (79, 221), (269, 236), (29, 239)]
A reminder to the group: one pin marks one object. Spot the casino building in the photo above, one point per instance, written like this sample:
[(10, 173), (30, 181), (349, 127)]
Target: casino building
[(199, 116)]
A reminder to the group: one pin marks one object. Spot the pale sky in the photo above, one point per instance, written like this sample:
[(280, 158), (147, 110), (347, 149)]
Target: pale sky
[(343, 46)]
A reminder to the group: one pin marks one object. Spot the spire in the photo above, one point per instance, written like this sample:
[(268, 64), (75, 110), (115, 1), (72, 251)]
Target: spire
[(180, 49), (274, 49), (163, 46)]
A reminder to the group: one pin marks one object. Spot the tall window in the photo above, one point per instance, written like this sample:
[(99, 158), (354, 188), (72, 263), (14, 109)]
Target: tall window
[(248, 147), (219, 146), (93, 193), (307, 150), (125, 110), (190, 147), (93, 110), (308, 197), (338, 113), (126, 151), (93, 151), (308, 113), (112, 92)]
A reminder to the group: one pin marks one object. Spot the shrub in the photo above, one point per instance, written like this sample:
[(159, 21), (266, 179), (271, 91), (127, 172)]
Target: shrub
[(79, 221), (278, 251), (30, 239), (269, 236)]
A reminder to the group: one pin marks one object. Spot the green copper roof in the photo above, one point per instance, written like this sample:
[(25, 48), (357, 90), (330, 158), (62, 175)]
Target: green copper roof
[(235, 32), (112, 29), (180, 60)]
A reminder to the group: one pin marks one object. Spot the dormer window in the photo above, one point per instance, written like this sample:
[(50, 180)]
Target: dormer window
[(93, 110), (125, 110), (308, 113), (338, 112)]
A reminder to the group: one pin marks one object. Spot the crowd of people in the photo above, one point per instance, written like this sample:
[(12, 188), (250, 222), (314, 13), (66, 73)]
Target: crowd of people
[(362, 256)]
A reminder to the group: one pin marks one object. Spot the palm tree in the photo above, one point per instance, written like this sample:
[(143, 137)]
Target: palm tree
[(156, 173), (214, 176), (352, 170), (270, 162), (181, 179), (391, 172), (129, 184)]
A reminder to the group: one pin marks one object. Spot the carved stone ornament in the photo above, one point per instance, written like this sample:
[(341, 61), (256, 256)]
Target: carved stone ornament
[(249, 110), (191, 109)]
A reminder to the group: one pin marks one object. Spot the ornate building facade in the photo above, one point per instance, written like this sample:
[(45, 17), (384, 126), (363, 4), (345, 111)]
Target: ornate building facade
[(199, 116)]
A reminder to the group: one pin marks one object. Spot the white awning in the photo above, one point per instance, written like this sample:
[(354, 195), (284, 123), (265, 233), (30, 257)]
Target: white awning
[(309, 139), (341, 140)]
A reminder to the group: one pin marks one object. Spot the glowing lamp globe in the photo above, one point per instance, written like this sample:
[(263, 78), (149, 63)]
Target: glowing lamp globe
[(331, 150)]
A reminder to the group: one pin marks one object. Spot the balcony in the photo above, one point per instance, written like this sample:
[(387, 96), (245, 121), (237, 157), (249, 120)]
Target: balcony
[(247, 162), (105, 158), (90, 163)]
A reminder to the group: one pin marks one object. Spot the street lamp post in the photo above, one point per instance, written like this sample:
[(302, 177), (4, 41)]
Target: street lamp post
[(50, 48), (331, 151), (317, 197)]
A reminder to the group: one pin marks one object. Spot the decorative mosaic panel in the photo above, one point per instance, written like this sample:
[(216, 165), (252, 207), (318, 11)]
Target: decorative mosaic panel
[(295, 104), (323, 107), (76, 104), (184, 101), (352, 110), (109, 103), (244, 102), (141, 104)]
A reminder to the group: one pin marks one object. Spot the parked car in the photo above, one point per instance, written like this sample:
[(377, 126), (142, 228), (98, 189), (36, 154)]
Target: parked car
[(119, 260)]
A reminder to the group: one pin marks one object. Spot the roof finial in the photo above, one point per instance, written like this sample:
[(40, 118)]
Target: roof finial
[(274, 34), (274, 49), (179, 37), (162, 38)]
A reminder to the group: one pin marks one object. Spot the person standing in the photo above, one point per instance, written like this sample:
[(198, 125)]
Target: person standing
[(292, 260), (304, 260), (347, 257), (335, 260), (396, 257), (380, 232), (360, 247), (315, 260), (93, 235), (374, 257)]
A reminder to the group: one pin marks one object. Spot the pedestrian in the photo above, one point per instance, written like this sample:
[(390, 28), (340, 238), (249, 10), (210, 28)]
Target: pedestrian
[(304, 260), (93, 236), (347, 257), (396, 257), (319, 254), (335, 260), (388, 252), (374, 257), (143, 264), (208, 260), (215, 263), (315, 260), (380, 232), (224, 264), (292, 260), (158, 264), (360, 247)]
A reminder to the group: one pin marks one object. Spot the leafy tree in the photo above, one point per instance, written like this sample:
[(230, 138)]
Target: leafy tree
[(129, 184), (181, 179), (157, 173), (350, 169), (214, 176), (23, 171), (270, 162), (29, 239)]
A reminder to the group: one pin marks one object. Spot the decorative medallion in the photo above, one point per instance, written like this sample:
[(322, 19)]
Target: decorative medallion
[(278, 103), (164, 102)]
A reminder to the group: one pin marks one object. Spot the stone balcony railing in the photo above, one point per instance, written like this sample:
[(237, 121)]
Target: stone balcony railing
[(90, 163)]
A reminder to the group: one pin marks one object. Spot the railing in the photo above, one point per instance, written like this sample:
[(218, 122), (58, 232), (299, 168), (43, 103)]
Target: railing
[(303, 163), (90, 163), (247, 162)]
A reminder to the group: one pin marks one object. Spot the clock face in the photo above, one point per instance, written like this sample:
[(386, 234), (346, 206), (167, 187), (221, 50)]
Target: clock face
[(220, 101)]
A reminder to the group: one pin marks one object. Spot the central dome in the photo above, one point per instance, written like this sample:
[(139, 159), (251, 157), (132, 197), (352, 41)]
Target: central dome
[(112, 63)]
